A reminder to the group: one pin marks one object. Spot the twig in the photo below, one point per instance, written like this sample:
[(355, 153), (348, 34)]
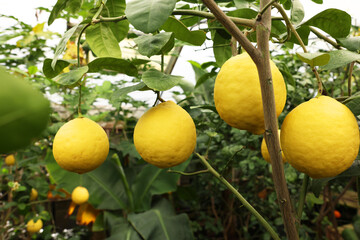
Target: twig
[(188, 174), (246, 204), (350, 77)]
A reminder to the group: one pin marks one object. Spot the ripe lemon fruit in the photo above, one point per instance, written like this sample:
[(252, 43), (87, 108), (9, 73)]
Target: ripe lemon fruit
[(10, 160), (165, 135), (34, 227), (265, 152), (320, 137), (80, 195), (33, 194), (80, 145), (237, 93)]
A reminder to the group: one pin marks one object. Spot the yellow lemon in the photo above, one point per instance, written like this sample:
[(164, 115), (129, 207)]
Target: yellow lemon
[(80, 195), (33, 194), (80, 145), (265, 152), (165, 135), (237, 93), (10, 160), (34, 227), (320, 137)]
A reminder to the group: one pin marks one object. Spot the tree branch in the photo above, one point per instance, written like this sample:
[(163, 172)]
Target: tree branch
[(271, 125), (232, 28)]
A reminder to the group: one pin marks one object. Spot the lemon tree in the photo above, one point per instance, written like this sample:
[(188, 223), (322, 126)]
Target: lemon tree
[(133, 163)]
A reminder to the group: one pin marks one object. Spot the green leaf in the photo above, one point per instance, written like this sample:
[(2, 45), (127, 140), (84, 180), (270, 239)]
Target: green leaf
[(72, 77), (151, 181), (49, 72), (99, 183), (116, 8), (148, 16), (149, 45), (119, 227), (340, 58), (304, 32), (241, 4), (350, 43), (353, 103), (24, 112), (59, 6), (325, 20), (182, 33), (113, 64), (297, 12), (159, 81), (221, 48), (314, 59), (161, 223), (317, 1), (102, 41), (119, 94), (62, 45)]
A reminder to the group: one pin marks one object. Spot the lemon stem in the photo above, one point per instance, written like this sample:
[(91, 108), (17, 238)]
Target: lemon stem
[(246, 204), (302, 197), (79, 106)]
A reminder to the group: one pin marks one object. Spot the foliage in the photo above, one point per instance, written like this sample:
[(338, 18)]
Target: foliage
[(140, 201)]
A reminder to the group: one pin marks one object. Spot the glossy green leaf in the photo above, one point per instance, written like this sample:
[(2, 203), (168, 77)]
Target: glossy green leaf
[(119, 94), (49, 72), (314, 59), (241, 4), (102, 41), (297, 12), (304, 32), (353, 103), (72, 77), (62, 44), (148, 16), (59, 6), (99, 183), (161, 223), (24, 112), (151, 181), (317, 1), (182, 33), (116, 8), (114, 64), (221, 48), (335, 22), (159, 81), (340, 58), (150, 45), (119, 227), (350, 43), (74, 6)]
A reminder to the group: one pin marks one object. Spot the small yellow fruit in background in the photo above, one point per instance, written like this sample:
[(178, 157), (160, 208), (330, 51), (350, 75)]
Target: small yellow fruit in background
[(34, 227), (10, 160), (33, 194), (320, 137), (165, 135), (237, 93), (80, 145), (265, 152), (80, 195)]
